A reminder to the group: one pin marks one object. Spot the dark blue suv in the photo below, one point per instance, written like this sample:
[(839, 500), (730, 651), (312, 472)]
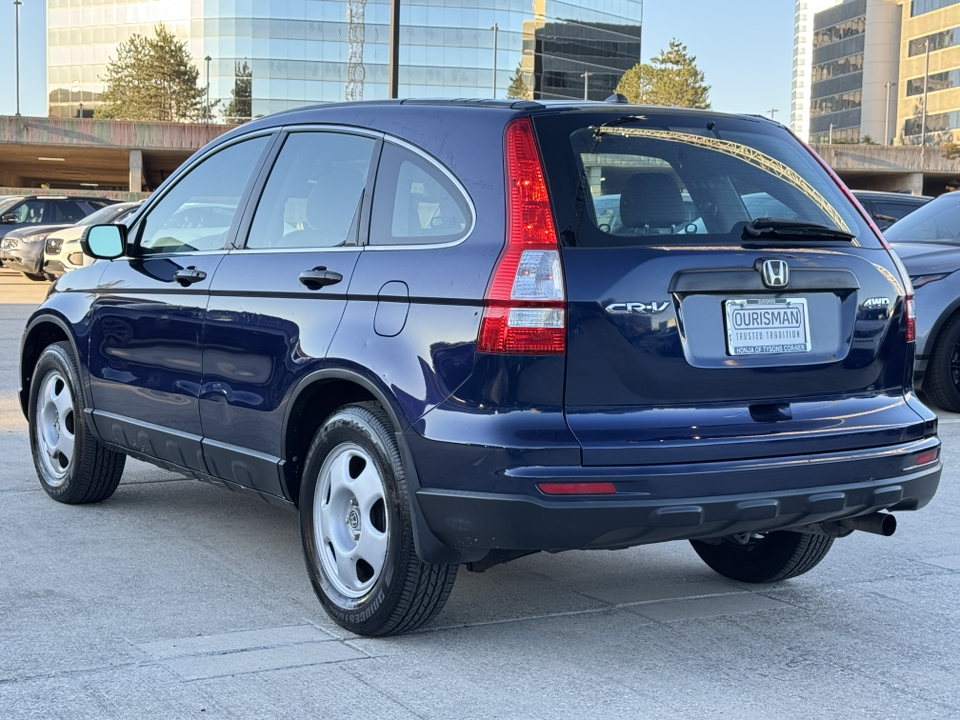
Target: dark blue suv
[(409, 322)]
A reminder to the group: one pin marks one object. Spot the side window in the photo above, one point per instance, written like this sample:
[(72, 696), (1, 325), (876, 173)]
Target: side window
[(31, 211), (313, 195), (895, 210), (415, 203), (197, 212), (67, 211)]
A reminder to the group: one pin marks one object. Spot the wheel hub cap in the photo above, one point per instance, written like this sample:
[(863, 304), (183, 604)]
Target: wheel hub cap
[(350, 520)]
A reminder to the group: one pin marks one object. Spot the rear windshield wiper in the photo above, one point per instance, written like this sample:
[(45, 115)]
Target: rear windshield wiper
[(776, 228)]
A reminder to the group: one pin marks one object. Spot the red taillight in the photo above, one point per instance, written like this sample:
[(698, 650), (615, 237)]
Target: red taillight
[(925, 458), (911, 311), (524, 309), (572, 488)]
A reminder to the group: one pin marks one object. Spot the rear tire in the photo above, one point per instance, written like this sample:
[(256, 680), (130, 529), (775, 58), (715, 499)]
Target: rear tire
[(942, 383), (357, 530), (768, 558), (73, 466)]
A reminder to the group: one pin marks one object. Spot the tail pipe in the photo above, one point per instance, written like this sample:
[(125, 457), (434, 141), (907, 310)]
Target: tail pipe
[(878, 523)]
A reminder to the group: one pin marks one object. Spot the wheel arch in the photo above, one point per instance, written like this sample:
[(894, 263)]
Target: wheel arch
[(41, 331), (316, 397)]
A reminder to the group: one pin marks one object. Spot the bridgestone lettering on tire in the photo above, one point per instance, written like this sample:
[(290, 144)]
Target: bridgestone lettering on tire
[(73, 466), (357, 531), (764, 558)]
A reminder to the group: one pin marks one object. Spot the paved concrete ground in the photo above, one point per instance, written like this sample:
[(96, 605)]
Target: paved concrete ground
[(179, 600)]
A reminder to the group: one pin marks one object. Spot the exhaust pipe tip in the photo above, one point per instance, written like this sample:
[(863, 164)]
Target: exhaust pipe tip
[(878, 523)]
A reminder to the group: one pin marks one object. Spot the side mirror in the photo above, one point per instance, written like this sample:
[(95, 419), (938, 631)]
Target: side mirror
[(9, 218), (104, 242)]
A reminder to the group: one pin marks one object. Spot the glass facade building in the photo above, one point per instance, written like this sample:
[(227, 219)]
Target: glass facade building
[(836, 94), (271, 55)]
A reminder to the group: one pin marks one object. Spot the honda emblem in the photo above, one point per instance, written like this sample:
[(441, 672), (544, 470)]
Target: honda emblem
[(775, 273)]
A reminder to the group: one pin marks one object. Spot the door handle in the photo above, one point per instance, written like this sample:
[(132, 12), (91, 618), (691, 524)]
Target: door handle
[(188, 276), (319, 277)]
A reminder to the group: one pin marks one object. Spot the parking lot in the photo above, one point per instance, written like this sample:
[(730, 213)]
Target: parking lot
[(176, 599)]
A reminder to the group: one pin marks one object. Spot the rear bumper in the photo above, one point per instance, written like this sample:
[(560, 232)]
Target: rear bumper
[(465, 520)]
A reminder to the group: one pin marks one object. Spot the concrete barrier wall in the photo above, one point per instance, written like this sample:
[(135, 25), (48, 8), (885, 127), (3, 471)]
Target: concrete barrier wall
[(107, 133)]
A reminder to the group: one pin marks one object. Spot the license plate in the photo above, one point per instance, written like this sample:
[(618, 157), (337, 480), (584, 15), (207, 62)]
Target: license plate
[(767, 326)]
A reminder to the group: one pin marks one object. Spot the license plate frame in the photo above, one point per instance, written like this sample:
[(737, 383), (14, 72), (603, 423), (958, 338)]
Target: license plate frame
[(766, 326)]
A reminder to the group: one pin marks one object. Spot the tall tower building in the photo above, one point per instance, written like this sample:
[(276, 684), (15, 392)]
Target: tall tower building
[(802, 66)]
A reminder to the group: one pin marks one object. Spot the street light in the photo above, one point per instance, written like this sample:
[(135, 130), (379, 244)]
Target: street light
[(207, 113), (586, 83), (16, 5), (886, 116), (496, 29)]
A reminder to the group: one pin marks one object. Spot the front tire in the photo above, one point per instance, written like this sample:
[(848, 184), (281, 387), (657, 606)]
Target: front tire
[(357, 530), (764, 558), (73, 466)]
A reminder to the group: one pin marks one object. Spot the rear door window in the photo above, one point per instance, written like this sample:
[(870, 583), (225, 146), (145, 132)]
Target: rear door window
[(313, 196), (67, 211)]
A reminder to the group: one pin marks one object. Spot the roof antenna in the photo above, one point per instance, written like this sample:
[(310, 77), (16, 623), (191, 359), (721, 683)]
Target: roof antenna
[(618, 98)]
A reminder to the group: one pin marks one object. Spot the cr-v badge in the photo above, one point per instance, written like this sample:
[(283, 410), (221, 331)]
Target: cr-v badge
[(642, 308)]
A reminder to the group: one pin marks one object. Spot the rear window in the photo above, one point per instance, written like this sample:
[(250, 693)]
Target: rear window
[(651, 179), (937, 221)]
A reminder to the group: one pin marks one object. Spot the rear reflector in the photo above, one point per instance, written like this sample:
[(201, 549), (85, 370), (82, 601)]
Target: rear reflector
[(594, 488), (524, 309), (925, 458)]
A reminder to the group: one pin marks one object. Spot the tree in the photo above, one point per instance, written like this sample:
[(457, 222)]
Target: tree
[(518, 88), (152, 79), (672, 78), (240, 107)]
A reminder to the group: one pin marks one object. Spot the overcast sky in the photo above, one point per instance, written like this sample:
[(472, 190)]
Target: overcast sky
[(745, 48)]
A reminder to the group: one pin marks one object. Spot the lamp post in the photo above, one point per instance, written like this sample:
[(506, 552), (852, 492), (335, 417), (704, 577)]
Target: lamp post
[(886, 116), (496, 30), (586, 83), (16, 5), (773, 111), (393, 64), (207, 113)]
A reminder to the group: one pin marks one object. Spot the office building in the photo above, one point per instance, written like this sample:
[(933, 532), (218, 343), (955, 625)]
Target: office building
[(930, 48), (271, 55), (854, 71), (802, 54)]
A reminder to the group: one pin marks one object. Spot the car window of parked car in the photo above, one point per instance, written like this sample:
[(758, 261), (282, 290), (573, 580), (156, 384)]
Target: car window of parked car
[(197, 212), (896, 210), (937, 221), (313, 195), (415, 202), (31, 211), (67, 211)]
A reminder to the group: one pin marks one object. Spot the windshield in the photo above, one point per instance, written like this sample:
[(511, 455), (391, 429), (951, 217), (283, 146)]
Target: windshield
[(108, 214), (672, 179), (938, 221), (7, 203)]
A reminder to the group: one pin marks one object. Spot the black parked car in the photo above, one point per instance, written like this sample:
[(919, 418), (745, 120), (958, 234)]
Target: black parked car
[(409, 322), (887, 207)]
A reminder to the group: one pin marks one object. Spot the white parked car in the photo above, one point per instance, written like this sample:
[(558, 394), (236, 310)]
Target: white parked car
[(62, 251)]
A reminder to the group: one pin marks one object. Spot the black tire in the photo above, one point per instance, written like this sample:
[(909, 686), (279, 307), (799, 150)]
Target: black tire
[(83, 471), (354, 508), (765, 558), (942, 382), (36, 277)]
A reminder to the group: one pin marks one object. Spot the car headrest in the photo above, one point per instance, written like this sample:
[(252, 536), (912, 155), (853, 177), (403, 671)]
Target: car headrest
[(651, 199)]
